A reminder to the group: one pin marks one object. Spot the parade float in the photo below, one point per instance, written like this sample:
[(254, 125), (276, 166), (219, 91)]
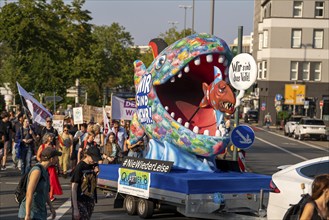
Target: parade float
[(181, 99)]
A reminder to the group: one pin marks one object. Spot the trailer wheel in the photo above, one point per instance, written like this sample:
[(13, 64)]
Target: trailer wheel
[(145, 208), (130, 205)]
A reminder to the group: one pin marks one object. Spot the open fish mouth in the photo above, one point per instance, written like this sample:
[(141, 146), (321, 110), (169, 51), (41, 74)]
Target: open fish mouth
[(181, 94)]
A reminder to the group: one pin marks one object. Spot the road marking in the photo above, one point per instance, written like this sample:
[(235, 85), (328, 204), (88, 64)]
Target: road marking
[(62, 209), (310, 145), (280, 148)]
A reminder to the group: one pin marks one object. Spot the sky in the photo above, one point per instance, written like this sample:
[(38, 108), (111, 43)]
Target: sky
[(147, 19)]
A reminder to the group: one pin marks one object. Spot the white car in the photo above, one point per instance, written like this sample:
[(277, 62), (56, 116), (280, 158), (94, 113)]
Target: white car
[(289, 127), (286, 185), (310, 128)]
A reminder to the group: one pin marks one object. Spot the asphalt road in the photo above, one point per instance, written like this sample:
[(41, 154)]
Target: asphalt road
[(270, 150)]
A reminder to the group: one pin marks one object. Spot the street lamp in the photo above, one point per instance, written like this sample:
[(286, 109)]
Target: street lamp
[(185, 7), (173, 23)]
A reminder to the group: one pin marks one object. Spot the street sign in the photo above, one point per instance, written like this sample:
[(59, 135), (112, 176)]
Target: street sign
[(242, 71), (278, 97), (263, 108), (51, 98), (242, 136), (321, 103)]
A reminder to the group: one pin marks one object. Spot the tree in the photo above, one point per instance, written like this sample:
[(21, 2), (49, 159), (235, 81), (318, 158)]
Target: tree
[(172, 35), (113, 57), (49, 44)]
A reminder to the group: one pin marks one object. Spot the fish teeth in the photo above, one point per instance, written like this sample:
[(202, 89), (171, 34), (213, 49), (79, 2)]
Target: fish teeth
[(167, 108), (180, 75), (179, 120), (172, 79), (209, 58), (221, 59), (206, 132), (187, 69), (226, 71), (187, 125), (225, 63), (196, 129), (217, 134), (172, 114), (197, 61)]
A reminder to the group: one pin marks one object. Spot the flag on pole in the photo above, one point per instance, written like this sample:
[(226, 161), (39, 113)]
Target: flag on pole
[(38, 111), (122, 108), (106, 122)]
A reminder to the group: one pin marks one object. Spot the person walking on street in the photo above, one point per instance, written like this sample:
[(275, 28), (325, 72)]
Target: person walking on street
[(120, 136), (26, 146), (318, 207), (268, 120), (33, 205), (55, 186), (66, 147), (83, 185), (6, 130), (78, 138)]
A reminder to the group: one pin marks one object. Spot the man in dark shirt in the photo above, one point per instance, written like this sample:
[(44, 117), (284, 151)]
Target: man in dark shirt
[(49, 129), (6, 130), (84, 196)]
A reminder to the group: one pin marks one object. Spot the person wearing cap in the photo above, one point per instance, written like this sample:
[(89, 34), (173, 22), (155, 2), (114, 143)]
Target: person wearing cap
[(33, 205), (83, 200)]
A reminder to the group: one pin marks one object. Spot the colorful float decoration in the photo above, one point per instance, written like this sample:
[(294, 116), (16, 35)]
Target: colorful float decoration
[(181, 100)]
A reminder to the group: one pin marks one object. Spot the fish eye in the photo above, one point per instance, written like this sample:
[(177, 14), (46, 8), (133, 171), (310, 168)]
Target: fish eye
[(160, 62)]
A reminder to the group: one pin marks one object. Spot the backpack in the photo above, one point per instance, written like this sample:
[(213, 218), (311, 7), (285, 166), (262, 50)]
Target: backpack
[(295, 211), (89, 184), (20, 191)]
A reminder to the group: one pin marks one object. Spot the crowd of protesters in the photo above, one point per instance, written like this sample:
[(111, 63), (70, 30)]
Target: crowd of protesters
[(77, 149)]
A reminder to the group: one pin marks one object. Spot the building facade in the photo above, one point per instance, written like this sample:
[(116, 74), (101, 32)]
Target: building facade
[(291, 48)]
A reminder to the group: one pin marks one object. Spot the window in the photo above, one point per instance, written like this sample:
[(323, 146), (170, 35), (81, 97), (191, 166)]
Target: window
[(315, 169), (305, 70), (319, 9), (296, 40), (260, 43), (294, 70), (316, 71), (264, 69), (318, 39), (298, 8), (259, 70), (265, 40)]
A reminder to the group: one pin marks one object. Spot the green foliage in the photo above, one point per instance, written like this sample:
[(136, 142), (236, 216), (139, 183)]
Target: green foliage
[(283, 115), (49, 44), (172, 35)]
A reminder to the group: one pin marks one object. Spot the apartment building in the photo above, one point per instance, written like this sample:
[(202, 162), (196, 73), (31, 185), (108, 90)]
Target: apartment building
[(291, 48)]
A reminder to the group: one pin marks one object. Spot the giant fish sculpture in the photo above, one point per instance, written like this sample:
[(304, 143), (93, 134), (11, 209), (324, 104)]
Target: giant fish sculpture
[(177, 109)]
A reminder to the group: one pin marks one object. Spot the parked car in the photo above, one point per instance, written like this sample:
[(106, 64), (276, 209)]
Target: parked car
[(287, 185), (289, 127), (251, 115), (310, 128)]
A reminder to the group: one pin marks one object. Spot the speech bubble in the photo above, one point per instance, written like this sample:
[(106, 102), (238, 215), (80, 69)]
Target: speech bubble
[(242, 74)]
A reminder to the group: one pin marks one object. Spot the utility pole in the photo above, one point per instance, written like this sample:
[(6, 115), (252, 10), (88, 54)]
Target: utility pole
[(236, 113), (185, 8), (193, 6), (212, 17)]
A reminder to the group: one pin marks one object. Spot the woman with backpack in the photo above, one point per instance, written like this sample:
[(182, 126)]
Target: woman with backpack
[(55, 186), (33, 205), (318, 207)]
